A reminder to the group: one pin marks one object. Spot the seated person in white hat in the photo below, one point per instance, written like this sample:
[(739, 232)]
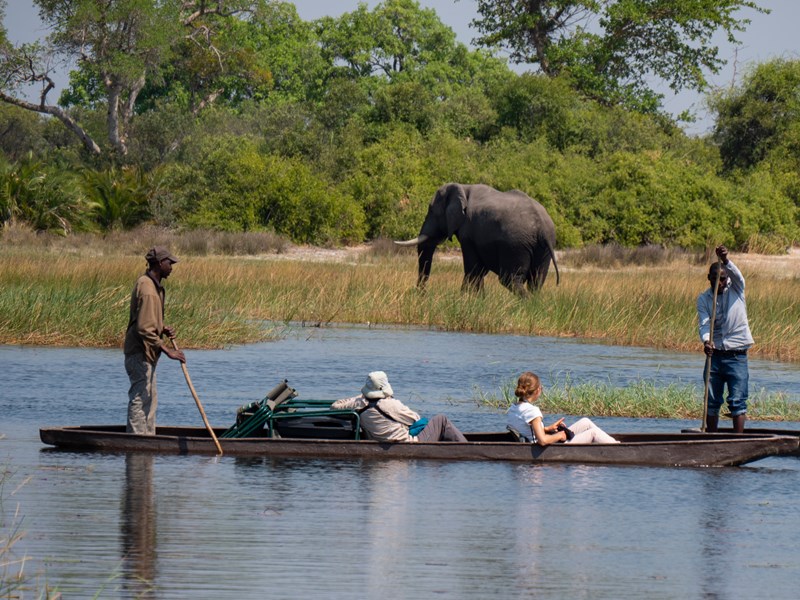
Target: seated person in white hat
[(386, 419)]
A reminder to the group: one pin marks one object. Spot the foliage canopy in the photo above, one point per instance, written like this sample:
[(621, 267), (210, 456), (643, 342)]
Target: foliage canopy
[(239, 116), (611, 49)]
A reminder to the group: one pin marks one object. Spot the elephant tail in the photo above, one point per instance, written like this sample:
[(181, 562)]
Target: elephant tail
[(553, 256)]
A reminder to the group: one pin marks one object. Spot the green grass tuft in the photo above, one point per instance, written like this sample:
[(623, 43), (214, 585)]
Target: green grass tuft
[(639, 399)]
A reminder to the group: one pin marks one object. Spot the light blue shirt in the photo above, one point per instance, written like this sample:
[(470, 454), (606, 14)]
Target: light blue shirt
[(731, 329)]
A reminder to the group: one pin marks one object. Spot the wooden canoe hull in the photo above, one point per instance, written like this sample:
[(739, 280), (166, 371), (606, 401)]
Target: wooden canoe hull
[(645, 449), (761, 431)]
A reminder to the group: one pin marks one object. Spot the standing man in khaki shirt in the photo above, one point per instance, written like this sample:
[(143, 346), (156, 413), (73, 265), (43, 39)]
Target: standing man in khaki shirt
[(143, 344)]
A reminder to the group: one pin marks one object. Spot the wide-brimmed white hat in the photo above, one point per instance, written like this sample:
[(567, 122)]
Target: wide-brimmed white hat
[(377, 386)]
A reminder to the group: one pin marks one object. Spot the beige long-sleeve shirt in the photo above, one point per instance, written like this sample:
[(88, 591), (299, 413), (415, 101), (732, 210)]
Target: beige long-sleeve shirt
[(377, 426), (146, 322)]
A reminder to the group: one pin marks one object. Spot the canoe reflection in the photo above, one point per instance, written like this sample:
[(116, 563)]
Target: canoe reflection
[(138, 524)]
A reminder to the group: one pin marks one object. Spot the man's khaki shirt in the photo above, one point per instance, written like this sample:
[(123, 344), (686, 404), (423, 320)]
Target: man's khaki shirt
[(146, 322)]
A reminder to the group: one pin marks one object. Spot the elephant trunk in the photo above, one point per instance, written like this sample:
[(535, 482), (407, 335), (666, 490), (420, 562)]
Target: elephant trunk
[(426, 246), (424, 258)]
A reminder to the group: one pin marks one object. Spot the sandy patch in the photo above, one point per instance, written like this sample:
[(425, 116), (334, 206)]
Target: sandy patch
[(350, 254), (784, 266)]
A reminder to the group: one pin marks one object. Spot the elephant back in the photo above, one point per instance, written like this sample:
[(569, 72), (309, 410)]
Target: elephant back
[(509, 213)]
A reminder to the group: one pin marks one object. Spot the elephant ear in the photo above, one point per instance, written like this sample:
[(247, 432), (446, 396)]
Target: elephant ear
[(456, 208)]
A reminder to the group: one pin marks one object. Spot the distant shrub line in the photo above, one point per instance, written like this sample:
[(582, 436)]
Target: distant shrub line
[(605, 175)]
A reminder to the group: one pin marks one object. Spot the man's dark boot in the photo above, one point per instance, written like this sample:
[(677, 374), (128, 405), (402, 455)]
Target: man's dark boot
[(712, 422), (738, 423)]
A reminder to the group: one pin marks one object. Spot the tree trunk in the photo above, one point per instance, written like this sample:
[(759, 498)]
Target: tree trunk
[(114, 91)]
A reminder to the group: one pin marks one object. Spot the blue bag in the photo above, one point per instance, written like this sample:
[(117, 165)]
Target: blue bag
[(417, 426)]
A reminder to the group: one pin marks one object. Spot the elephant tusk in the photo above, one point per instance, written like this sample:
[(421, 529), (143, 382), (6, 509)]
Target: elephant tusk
[(415, 242)]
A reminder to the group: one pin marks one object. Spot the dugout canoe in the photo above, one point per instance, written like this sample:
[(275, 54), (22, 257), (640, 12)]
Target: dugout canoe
[(760, 431), (644, 449)]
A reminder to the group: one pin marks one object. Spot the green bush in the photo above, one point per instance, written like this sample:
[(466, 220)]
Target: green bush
[(120, 197), (339, 131), (236, 187), (43, 196), (392, 184), (763, 210)]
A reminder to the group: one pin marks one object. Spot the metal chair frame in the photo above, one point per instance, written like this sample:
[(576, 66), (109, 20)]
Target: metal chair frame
[(281, 403)]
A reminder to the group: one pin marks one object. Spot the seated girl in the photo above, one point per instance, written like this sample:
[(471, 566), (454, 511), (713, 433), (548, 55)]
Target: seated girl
[(526, 418)]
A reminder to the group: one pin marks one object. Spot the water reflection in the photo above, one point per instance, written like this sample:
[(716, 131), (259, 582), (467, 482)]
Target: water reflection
[(387, 524), (528, 535), (186, 526), (138, 523)]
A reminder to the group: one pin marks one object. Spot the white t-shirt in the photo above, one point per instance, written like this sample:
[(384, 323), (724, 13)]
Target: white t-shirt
[(520, 416)]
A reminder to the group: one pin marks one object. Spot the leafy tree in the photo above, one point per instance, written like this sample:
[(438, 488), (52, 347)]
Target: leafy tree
[(399, 41), (271, 56), (405, 102), (342, 101), (156, 135), (393, 184), (760, 115), (409, 68), (21, 132), (118, 45), (611, 47), (468, 113), (289, 49), (534, 106), (397, 36)]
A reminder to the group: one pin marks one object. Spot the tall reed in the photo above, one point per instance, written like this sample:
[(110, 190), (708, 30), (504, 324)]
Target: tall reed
[(214, 301), (639, 399), (83, 301)]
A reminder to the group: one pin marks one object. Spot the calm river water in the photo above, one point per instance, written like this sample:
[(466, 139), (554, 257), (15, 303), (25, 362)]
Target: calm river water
[(138, 526)]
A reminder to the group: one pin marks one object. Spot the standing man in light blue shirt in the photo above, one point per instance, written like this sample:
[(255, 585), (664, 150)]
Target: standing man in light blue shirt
[(732, 339)]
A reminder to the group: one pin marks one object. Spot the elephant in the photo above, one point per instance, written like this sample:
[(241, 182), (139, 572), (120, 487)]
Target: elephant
[(507, 233)]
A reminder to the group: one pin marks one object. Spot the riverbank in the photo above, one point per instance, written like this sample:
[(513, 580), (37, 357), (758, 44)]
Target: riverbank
[(79, 298)]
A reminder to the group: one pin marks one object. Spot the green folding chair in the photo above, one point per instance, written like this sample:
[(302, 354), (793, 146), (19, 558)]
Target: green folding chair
[(252, 418)]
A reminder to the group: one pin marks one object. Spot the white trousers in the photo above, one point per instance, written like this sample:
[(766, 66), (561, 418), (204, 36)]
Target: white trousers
[(586, 432)]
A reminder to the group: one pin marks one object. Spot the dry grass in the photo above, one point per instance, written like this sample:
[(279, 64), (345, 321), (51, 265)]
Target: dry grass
[(616, 256), (51, 297), (135, 242)]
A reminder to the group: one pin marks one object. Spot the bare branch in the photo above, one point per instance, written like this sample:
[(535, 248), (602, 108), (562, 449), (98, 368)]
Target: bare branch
[(207, 100), (59, 114), (202, 8)]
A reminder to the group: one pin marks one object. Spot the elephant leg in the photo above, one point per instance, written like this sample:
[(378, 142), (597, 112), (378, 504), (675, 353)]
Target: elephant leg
[(473, 280), (537, 281), (515, 282), (474, 270), (519, 288), (539, 268)]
